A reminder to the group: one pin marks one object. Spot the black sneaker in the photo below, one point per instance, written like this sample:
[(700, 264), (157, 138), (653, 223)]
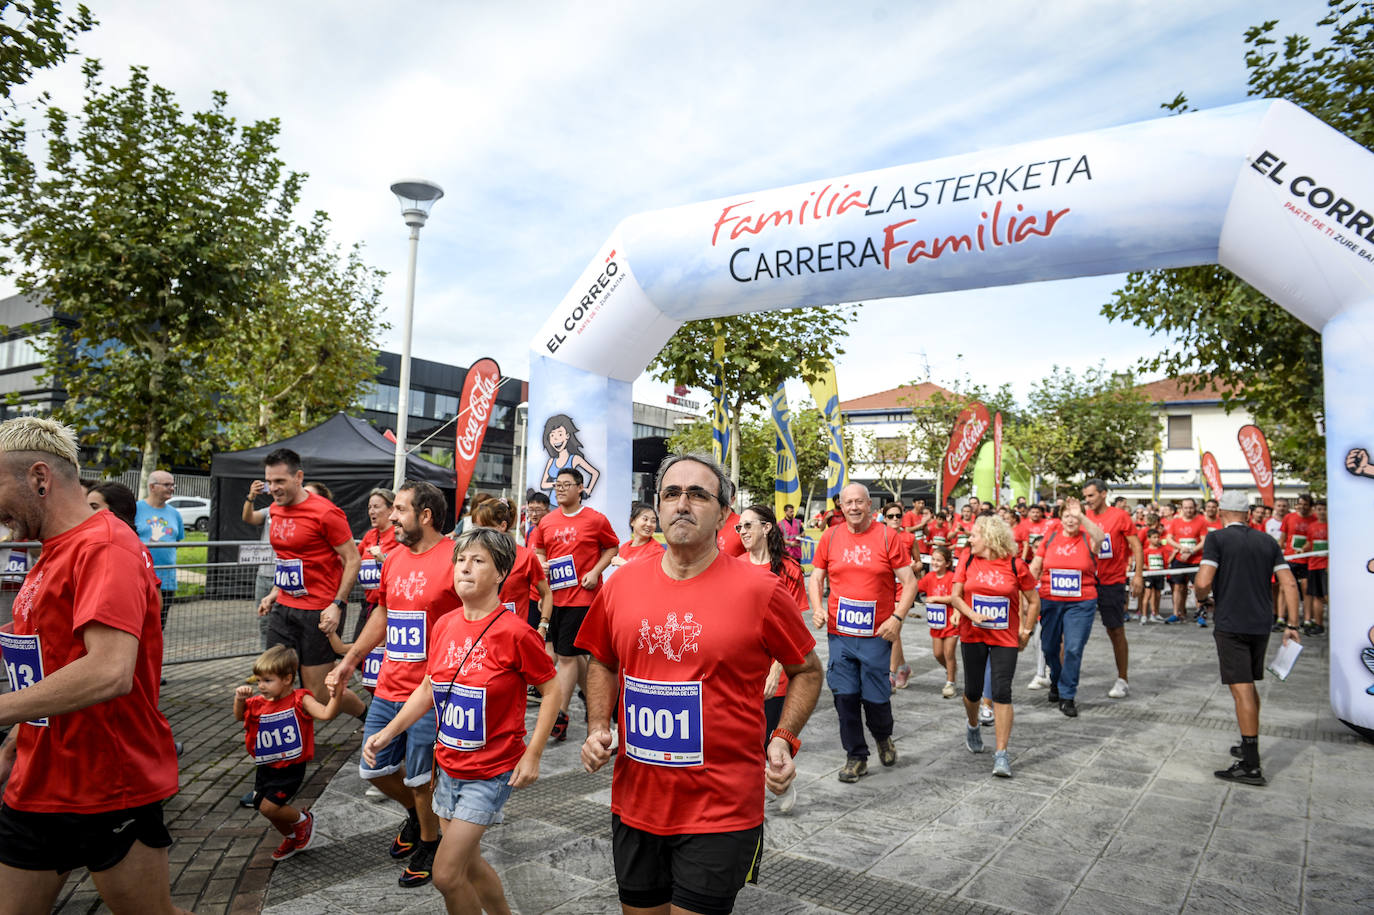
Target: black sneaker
[(1279, 626), (406, 840), (1054, 694), (1317, 629), (1068, 708), (1239, 772), (420, 869)]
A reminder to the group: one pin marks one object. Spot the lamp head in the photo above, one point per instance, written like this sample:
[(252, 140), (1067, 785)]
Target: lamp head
[(416, 196)]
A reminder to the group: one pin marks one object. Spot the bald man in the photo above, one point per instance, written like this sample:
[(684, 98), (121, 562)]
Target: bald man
[(157, 522)]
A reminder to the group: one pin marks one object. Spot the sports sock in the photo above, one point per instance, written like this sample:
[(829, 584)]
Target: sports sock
[(1249, 751)]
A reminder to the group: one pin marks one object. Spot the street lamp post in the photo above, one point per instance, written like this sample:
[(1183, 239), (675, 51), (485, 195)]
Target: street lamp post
[(416, 196)]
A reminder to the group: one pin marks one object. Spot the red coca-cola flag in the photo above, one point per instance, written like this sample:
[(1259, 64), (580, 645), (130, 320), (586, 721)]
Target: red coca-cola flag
[(997, 459), (969, 429), (1256, 450), (474, 410), (1212, 472)]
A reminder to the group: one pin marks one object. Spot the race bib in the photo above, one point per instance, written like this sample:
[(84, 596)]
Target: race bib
[(1155, 561), (996, 609), (1066, 583), (938, 540), (1187, 544), (662, 725), (462, 714), (937, 616), (16, 565), (290, 577), (23, 663), (406, 632), (855, 617), (372, 666), (961, 541), (1320, 545), (562, 573), (370, 574), (279, 737), (1105, 551), (1299, 543), (509, 605)]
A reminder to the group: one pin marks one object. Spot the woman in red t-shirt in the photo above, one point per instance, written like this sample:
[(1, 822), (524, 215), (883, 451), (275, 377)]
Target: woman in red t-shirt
[(379, 540), (988, 589), (525, 592), (643, 523), (480, 660), (936, 587), (1066, 564)]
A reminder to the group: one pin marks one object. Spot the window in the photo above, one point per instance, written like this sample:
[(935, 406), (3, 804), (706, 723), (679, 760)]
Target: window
[(493, 468), (383, 398), (500, 416), (895, 448), (20, 352), (1180, 432), (643, 430)]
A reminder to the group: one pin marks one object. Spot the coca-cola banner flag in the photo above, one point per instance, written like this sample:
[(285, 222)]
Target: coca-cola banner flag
[(474, 411), (1211, 472), (969, 429), (1256, 450), (997, 459)]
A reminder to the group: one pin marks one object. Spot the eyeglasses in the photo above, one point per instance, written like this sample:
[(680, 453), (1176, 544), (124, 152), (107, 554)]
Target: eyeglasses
[(893, 517), (745, 525), (561, 485), (695, 494)]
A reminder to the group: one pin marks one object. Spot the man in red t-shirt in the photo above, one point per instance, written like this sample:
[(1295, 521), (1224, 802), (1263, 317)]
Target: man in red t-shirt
[(317, 565), (1315, 599), (686, 642), (90, 759), (862, 618), (575, 544), (1296, 540), (1186, 532), (1120, 542), (1209, 514), (1031, 531), (415, 592), (727, 541)]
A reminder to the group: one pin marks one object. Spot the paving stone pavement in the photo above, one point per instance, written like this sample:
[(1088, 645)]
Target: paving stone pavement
[(1116, 811)]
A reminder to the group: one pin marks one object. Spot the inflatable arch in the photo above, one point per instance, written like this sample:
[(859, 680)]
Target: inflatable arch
[(1263, 188)]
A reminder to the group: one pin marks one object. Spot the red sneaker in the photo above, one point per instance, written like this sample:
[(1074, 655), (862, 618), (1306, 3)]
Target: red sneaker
[(305, 832), (560, 727), (286, 849)]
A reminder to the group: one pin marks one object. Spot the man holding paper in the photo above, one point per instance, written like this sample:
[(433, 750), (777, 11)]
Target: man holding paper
[(1237, 562)]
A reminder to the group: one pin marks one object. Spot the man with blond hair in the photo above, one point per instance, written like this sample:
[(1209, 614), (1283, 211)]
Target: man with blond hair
[(90, 759)]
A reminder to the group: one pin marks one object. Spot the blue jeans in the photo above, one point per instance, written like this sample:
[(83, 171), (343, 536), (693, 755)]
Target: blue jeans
[(1069, 622)]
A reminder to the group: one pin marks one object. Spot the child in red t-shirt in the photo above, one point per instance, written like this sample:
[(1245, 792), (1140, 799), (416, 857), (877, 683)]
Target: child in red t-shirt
[(280, 728), (936, 585), (1156, 558)]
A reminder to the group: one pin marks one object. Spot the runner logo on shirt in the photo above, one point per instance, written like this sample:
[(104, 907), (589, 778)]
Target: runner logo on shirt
[(475, 655), (23, 604), (410, 587), (856, 556), (673, 638), (284, 529)]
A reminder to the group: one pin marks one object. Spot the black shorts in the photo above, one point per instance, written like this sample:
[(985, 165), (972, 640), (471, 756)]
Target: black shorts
[(1317, 584), (1111, 604), (65, 841), (563, 628), (277, 785), (1155, 583), (700, 872), (1181, 579), (300, 629), (1300, 571), (1241, 655), (532, 615)]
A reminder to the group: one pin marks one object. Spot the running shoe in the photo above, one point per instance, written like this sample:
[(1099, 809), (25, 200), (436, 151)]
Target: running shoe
[(1279, 626), (903, 676), (1054, 695), (1318, 629), (373, 793), (1068, 708), (1039, 681), (420, 869), (887, 752), (286, 849), (1239, 772), (247, 800), (305, 832), (1120, 689), (560, 728), (1001, 764), (1172, 618), (985, 716), (788, 799), (1202, 620), (404, 844), (854, 769), (973, 739), (948, 690), (891, 682)]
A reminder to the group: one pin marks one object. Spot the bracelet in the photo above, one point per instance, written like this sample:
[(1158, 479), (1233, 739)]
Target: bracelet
[(1287, 626), (900, 619)]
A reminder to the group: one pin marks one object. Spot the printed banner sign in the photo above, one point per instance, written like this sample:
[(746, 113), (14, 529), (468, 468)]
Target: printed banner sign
[(969, 429), (1211, 473), (826, 391), (474, 411), (1256, 450), (997, 459), (786, 486)]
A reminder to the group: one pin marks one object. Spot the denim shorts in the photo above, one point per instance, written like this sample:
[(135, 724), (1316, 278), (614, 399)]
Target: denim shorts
[(478, 800), (415, 746)]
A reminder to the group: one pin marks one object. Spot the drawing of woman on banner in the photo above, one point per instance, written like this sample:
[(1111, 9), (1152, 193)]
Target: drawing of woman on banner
[(560, 441)]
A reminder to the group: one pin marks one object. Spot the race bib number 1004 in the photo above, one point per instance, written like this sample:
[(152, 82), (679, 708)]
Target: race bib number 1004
[(663, 722)]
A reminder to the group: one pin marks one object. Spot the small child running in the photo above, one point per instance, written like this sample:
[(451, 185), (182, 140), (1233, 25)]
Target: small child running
[(280, 726), (936, 585), (1156, 558)]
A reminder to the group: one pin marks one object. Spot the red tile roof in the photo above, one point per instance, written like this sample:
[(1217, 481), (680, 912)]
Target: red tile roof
[(1183, 389), (899, 398)]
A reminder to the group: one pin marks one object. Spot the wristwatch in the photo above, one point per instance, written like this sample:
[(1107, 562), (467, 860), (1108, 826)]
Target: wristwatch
[(793, 741), (341, 604)]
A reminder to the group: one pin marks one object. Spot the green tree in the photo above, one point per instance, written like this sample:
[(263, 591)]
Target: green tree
[(762, 350), (1264, 359), (35, 35), (1111, 421), (932, 423), (309, 350), (1043, 447), (893, 458)]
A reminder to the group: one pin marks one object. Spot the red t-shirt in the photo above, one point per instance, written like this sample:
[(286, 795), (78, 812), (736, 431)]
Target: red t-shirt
[(573, 545), (794, 580), (522, 584), (1032, 532), (651, 547), (303, 537), (118, 753), (1069, 570), (937, 534), (279, 733), (910, 519), (416, 591), (1317, 540), (993, 587), (370, 573), (482, 716), (1114, 553), (1214, 524), (939, 617), (959, 531), (860, 567), (1187, 534), (1156, 558), (907, 541), (1295, 538), (728, 541), (691, 668)]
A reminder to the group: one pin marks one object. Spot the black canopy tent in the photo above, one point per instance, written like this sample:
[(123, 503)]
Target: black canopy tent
[(343, 452)]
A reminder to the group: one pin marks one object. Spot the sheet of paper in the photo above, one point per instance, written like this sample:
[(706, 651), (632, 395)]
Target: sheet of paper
[(1284, 659)]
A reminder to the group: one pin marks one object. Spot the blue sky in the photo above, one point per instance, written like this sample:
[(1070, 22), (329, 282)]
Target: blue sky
[(548, 123)]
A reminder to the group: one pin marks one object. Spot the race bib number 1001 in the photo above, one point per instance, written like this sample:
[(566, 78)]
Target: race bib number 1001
[(562, 573), (23, 663), (662, 725), (462, 715)]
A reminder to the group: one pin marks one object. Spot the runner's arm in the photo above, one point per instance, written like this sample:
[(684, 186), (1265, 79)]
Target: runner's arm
[(803, 687), (604, 560), (414, 709), (373, 634), (105, 671), (241, 695), (8, 751), (1138, 557), (1032, 614), (813, 597), (545, 604), (527, 769), (602, 682), (322, 711), (352, 562), (251, 515)]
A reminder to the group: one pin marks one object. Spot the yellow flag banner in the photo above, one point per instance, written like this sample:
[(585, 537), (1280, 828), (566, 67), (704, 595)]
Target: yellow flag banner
[(826, 391)]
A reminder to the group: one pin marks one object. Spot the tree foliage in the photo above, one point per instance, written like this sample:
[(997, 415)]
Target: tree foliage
[(1270, 361), (932, 423), (762, 350), (1109, 421), (34, 35)]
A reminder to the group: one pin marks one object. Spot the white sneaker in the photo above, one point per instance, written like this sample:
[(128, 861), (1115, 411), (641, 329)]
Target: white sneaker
[(1039, 681), (948, 690), (1120, 689), (985, 716), (373, 792)]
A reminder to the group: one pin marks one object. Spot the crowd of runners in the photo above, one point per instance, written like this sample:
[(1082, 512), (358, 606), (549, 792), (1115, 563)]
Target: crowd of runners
[(690, 658)]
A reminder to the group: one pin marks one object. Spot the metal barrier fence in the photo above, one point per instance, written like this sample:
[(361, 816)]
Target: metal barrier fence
[(213, 613)]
